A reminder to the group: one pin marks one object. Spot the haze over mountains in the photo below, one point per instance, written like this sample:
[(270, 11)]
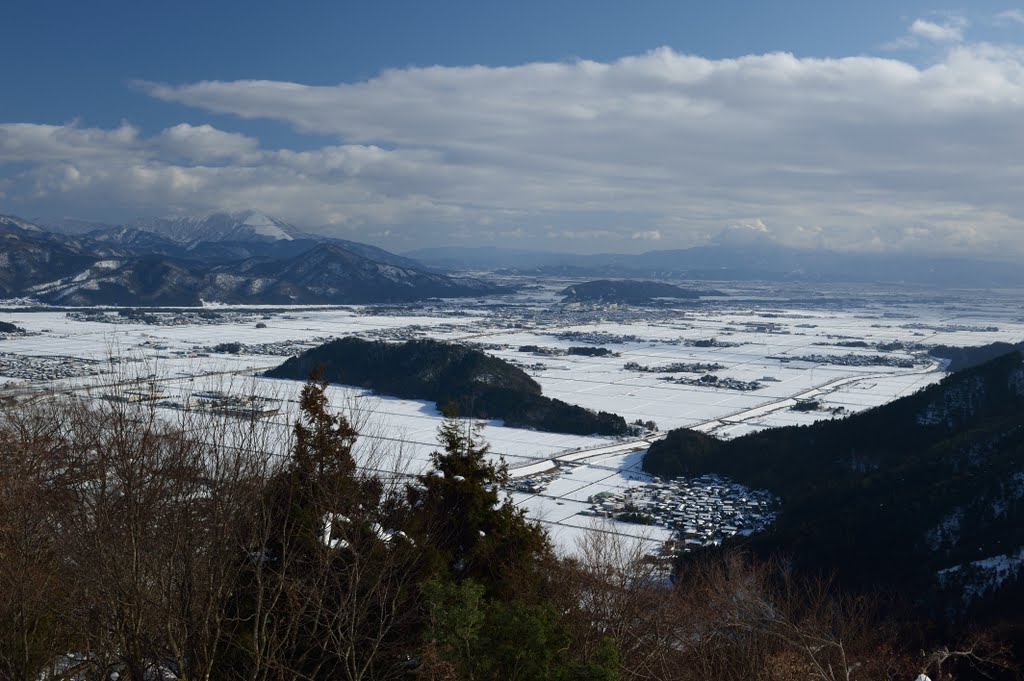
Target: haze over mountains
[(249, 257), (753, 260)]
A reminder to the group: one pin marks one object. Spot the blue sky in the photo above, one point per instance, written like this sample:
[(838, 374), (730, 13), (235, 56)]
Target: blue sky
[(581, 126)]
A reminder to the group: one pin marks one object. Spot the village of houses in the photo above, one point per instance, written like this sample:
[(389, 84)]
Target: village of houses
[(703, 511)]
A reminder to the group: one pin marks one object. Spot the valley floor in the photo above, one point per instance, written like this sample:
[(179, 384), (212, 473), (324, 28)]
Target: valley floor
[(833, 351)]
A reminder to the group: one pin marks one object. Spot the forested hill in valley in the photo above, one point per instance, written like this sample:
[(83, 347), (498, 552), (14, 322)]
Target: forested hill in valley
[(472, 382), (924, 492), (624, 291)]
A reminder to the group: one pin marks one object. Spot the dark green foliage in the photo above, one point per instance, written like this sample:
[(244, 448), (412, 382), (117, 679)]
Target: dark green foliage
[(635, 517), (322, 455), (7, 327), (337, 597), (476, 384), (806, 405), (683, 452), (523, 642), (498, 640), (860, 495), (228, 348), (475, 532), (409, 369), (489, 613), (586, 351), (628, 292)]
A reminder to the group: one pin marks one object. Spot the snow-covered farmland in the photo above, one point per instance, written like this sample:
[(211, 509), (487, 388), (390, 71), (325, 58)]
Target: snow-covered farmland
[(845, 350)]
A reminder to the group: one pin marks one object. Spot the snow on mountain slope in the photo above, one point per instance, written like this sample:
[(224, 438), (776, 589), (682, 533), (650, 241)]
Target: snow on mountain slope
[(23, 225), (264, 225), (248, 225)]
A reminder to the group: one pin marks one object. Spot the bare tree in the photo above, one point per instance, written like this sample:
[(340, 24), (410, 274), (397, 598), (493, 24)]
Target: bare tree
[(760, 615), (980, 653), (617, 592), (34, 583), (150, 516)]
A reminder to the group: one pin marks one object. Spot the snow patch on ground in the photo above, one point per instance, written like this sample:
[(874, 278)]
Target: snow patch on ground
[(982, 576)]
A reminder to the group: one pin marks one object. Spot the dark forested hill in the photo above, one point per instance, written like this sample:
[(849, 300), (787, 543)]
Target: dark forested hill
[(967, 357), (474, 383), (627, 291), (925, 491)]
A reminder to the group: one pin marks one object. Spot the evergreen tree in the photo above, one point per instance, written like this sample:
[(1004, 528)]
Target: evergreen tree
[(475, 531), (472, 637), (332, 593)]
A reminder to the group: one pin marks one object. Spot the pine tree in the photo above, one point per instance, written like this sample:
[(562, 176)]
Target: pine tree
[(475, 529)]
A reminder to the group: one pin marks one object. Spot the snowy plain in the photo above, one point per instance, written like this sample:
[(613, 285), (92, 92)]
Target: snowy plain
[(781, 338)]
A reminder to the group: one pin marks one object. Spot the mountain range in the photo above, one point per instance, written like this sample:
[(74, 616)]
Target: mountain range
[(241, 258)]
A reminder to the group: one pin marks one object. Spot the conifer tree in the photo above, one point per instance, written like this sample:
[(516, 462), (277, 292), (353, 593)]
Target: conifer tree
[(475, 529)]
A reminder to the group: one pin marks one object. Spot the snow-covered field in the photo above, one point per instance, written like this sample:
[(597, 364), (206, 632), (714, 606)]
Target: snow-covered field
[(837, 347)]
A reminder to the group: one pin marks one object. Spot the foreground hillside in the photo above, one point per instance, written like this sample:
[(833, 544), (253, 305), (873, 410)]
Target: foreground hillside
[(137, 548), (925, 493), (453, 376)]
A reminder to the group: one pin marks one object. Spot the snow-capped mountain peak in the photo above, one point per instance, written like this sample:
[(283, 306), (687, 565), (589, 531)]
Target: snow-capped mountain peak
[(246, 225)]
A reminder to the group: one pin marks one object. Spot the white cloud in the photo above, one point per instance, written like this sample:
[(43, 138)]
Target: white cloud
[(836, 153), (753, 226), (951, 31), (1011, 16), (647, 235), (583, 235), (205, 143), (923, 32), (744, 232), (31, 142)]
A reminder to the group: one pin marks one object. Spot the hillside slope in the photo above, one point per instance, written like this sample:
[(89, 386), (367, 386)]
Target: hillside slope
[(927, 491)]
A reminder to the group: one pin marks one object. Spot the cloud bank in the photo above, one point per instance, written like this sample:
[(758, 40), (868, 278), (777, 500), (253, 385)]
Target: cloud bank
[(860, 153)]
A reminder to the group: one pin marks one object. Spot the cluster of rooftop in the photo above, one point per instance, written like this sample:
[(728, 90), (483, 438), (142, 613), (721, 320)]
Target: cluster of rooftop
[(162, 318), (703, 510), (856, 360), (284, 348), (48, 367)]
